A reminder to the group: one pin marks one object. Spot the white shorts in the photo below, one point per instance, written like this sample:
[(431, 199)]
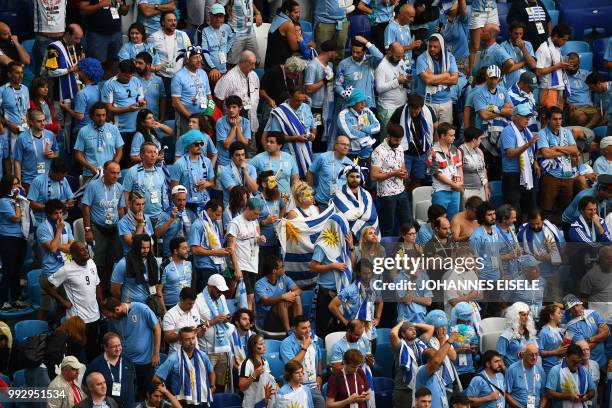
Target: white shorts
[(479, 19)]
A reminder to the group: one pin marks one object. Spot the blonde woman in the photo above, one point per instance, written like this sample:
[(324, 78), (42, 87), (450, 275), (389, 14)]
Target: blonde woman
[(303, 197), (369, 246)]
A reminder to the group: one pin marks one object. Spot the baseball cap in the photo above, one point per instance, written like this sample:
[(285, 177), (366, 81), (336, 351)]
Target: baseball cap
[(523, 110), (605, 142), (529, 78), (604, 179), (178, 189), (570, 301), (217, 9), (72, 362), (493, 71), (218, 281)]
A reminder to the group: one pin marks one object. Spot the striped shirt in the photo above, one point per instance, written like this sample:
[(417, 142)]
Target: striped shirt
[(241, 16)]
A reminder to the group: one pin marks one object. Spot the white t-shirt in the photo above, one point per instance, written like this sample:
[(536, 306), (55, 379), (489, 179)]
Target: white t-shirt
[(80, 284), (547, 57), (247, 249), (391, 94), (176, 318), (207, 342), (49, 16), (250, 395)]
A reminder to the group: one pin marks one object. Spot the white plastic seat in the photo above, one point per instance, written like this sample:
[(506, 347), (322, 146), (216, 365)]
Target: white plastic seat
[(421, 201), (330, 340)]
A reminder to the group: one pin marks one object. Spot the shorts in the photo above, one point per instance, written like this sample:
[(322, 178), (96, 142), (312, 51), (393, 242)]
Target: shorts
[(249, 281), (46, 301), (415, 166), (272, 323), (479, 19), (588, 110), (551, 97), (242, 42), (219, 362)]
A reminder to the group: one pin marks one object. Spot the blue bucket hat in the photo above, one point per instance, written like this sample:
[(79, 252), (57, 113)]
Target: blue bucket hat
[(191, 137), (357, 96), (436, 318)]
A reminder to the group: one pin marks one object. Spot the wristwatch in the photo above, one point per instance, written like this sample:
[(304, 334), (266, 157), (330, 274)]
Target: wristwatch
[(157, 7), (87, 228)]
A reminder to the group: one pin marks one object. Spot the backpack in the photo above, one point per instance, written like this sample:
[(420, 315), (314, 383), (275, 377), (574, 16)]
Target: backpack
[(32, 350)]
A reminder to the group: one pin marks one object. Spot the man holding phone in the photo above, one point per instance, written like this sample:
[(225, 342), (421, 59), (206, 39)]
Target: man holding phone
[(212, 308)]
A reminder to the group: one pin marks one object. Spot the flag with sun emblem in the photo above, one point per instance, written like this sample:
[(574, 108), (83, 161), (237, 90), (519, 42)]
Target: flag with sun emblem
[(332, 241), (297, 238), (287, 397)]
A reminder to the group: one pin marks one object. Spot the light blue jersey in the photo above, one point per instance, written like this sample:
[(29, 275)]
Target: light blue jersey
[(123, 95), (129, 50), (46, 233), (401, 34), (82, 103), (43, 189), (188, 173), (325, 169), (443, 95), (15, 103), (131, 290), (329, 11), (153, 90), (30, 152), (136, 332), (192, 88), (180, 227), (150, 182), (580, 93), (314, 73), (99, 145), (223, 129), (493, 55), (485, 100), (231, 176), (523, 382), (517, 56), (284, 168), (563, 138), (358, 75), (218, 42), (175, 277), (104, 202)]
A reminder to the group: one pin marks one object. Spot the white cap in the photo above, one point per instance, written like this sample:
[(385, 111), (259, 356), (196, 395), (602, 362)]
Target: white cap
[(493, 71), (605, 142), (178, 189), (72, 362), (218, 281)]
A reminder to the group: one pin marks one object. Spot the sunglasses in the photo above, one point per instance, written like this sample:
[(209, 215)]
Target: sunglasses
[(198, 144)]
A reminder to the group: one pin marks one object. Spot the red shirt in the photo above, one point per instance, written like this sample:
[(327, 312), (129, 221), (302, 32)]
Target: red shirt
[(336, 385)]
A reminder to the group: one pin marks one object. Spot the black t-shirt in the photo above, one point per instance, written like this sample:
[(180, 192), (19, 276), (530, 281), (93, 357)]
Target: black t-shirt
[(276, 84), (416, 148), (523, 11), (102, 21), (8, 49)]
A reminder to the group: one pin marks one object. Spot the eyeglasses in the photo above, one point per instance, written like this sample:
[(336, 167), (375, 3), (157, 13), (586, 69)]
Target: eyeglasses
[(199, 144)]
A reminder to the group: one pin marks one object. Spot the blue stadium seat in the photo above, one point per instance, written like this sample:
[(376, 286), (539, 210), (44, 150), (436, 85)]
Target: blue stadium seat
[(306, 26), (554, 17), (272, 346), (226, 400), (383, 384), (388, 240), (383, 334), (586, 60), (383, 391), (575, 46), (599, 50), (34, 288), (573, 4), (277, 368), (324, 390), (503, 8), (29, 328), (307, 298), (600, 132), (359, 25), (384, 358), (259, 72), (190, 33), (549, 4), (583, 19), (496, 193), (19, 378)]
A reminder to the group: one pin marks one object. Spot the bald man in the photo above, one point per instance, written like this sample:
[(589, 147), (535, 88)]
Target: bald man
[(96, 384), (392, 80), (399, 30), (61, 60), (493, 53), (10, 50)]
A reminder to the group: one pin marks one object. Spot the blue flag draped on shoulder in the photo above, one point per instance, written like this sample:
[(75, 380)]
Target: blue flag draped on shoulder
[(297, 239), (358, 209), (291, 126)]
